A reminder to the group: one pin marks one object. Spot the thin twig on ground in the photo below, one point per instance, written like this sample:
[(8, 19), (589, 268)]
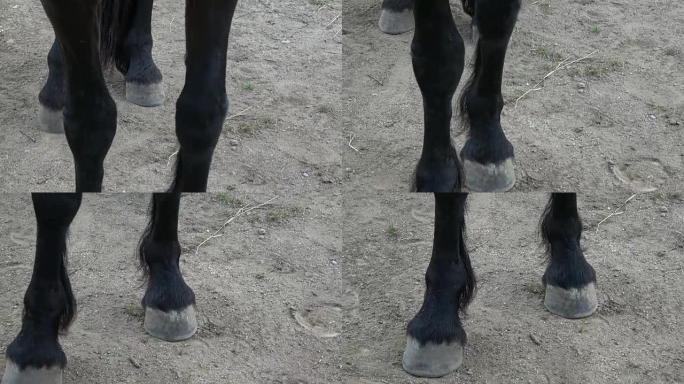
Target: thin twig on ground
[(351, 138), (168, 161), (243, 210), (562, 65), (241, 113), (616, 212)]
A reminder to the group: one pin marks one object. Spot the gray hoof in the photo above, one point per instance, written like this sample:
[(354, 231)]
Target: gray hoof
[(573, 303), (145, 95), (31, 375), (489, 177), (431, 360), (51, 120), (395, 23), (172, 325)]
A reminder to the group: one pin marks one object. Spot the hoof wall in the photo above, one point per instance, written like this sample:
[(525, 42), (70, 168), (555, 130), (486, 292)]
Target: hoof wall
[(31, 375), (573, 303), (172, 325), (489, 177), (145, 95), (431, 360), (51, 120), (396, 22)]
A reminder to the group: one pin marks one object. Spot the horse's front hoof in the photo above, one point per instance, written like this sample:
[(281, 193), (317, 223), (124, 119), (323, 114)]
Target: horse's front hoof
[(51, 120), (396, 22), (31, 375), (430, 359), (145, 95), (489, 177), (572, 303), (174, 325)]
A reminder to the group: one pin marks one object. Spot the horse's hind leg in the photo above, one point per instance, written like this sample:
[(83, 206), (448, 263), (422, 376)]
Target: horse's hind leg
[(134, 59), (435, 336), (89, 111), (35, 355), (202, 105), (396, 16), (569, 280), (437, 51), (51, 96), (487, 155), (169, 303)]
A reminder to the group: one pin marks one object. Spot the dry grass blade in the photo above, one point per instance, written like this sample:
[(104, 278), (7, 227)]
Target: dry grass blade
[(616, 212), (240, 212)]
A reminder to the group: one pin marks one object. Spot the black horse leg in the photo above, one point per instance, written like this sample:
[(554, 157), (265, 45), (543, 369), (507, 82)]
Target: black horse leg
[(569, 280), (396, 16), (35, 355), (134, 59), (51, 97), (487, 155), (169, 303), (202, 105), (436, 337), (89, 111), (437, 51)]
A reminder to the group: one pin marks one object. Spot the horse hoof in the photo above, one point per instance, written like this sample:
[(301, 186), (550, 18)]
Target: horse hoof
[(430, 359), (172, 325), (489, 177), (145, 95), (573, 303), (51, 120), (396, 22), (30, 375)]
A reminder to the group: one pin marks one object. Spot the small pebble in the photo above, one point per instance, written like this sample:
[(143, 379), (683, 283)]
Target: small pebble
[(261, 231), (663, 209), (134, 362), (673, 122), (305, 174), (581, 85), (535, 339), (261, 237), (651, 116), (233, 143)]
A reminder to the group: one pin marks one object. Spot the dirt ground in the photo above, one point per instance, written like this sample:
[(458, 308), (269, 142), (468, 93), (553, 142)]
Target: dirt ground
[(283, 79), (635, 337), (270, 309), (611, 122)]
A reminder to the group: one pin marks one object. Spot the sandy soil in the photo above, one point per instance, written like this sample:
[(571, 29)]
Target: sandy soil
[(635, 337), (622, 109), (250, 291), (283, 75)]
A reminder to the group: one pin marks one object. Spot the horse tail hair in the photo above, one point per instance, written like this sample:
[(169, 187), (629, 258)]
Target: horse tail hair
[(115, 21)]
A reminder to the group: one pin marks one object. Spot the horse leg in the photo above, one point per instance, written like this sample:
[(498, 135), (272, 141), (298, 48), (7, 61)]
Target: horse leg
[(487, 155), (35, 355), (437, 51), (396, 16), (569, 279), (134, 59), (202, 105), (89, 111), (169, 303), (51, 96), (435, 336)]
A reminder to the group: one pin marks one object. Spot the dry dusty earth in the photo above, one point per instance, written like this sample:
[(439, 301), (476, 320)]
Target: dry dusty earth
[(271, 309), (283, 77), (635, 337), (621, 111)]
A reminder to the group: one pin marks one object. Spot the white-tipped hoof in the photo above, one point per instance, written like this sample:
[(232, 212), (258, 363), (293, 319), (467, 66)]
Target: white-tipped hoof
[(395, 23), (145, 95), (51, 120), (489, 177), (431, 360), (30, 375), (573, 303), (172, 325)]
